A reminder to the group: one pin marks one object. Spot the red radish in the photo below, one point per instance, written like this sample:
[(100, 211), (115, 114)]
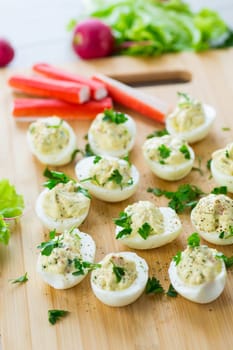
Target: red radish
[(138, 101), (92, 39), (45, 87), (25, 109), (6, 52), (98, 90)]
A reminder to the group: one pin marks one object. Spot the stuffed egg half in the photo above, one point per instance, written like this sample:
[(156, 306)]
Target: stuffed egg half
[(69, 262), (64, 206), (222, 167), (199, 275), (170, 158), (121, 279), (191, 120), (142, 225), (52, 141), (213, 219), (112, 134), (108, 178)]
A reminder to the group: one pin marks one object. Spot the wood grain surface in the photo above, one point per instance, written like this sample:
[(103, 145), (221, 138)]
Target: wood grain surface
[(152, 322)]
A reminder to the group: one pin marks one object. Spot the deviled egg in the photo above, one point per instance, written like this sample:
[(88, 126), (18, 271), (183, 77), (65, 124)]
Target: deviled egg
[(213, 219), (68, 261), (108, 178), (142, 225), (191, 120), (198, 274), (112, 134), (170, 158), (52, 141), (222, 167), (121, 279), (64, 206)]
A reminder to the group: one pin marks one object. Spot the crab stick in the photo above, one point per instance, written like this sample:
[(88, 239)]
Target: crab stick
[(40, 86), (98, 90), (138, 101), (26, 109)]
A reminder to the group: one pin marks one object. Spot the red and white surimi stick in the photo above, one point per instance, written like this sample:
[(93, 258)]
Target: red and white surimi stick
[(27, 109), (98, 90), (40, 86), (138, 101)]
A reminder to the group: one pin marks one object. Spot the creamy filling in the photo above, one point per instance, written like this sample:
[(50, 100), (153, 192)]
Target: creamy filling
[(108, 135), (123, 277), (167, 150), (213, 213), (64, 202), (49, 138), (198, 265), (111, 174), (223, 160), (145, 212)]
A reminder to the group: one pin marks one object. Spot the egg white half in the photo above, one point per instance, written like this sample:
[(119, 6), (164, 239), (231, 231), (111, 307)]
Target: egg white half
[(60, 158), (59, 225), (121, 152), (203, 293), (172, 229), (130, 294), (197, 133), (82, 171), (65, 281)]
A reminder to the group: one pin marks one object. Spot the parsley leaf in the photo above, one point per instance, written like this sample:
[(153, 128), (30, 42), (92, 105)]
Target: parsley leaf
[(158, 133), (55, 177), (164, 151), (228, 261), (126, 158), (73, 155), (115, 117), (124, 221), (88, 152), (177, 257), (84, 191), (55, 315), (194, 240), (171, 291), (116, 177), (48, 246), (226, 235), (118, 271), (80, 267), (145, 230), (184, 149), (227, 154), (219, 190), (21, 279), (153, 286), (97, 159), (186, 196)]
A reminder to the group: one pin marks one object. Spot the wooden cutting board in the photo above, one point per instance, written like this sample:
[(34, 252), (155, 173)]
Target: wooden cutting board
[(152, 322)]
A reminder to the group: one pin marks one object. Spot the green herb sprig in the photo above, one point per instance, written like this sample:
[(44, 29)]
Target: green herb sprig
[(21, 279), (55, 315), (145, 230), (171, 292), (55, 177), (48, 246), (227, 260), (158, 133), (115, 117), (118, 271), (219, 190), (153, 286), (83, 266), (194, 240), (125, 222), (185, 151)]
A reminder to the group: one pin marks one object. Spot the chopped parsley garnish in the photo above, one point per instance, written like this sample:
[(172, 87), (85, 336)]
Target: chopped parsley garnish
[(186, 196), (177, 257), (97, 159), (184, 149), (81, 266), (55, 177), (88, 152), (84, 191), (219, 190), (73, 155), (126, 158), (153, 286), (227, 153), (158, 133), (54, 242), (171, 291), (92, 178), (116, 177), (21, 279), (208, 163), (228, 261), (194, 240), (55, 315), (164, 151), (226, 235), (125, 222), (115, 117), (118, 271), (145, 230)]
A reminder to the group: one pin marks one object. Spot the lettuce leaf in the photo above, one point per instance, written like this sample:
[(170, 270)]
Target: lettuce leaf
[(4, 231), (153, 27), (11, 203)]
